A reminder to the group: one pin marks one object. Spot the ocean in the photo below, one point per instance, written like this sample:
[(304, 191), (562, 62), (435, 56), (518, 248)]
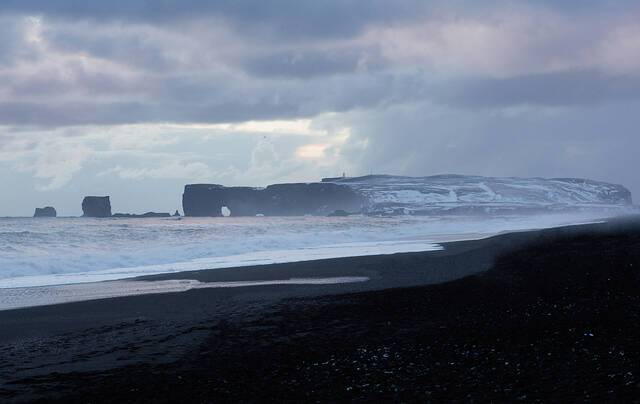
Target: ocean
[(61, 251)]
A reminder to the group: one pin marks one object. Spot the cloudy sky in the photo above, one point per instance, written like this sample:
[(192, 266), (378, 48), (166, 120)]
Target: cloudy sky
[(135, 98)]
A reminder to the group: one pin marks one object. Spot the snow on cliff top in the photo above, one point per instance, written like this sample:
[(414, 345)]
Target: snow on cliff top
[(476, 194)]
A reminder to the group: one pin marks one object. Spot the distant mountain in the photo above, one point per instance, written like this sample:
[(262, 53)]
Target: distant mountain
[(463, 194)]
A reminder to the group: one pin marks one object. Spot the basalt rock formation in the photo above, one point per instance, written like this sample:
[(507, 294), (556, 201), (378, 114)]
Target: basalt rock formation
[(96, 206), (47, 211), (274, 200), (142, 216)]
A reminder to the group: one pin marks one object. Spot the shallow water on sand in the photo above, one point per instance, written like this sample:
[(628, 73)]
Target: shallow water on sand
[(14, 298)]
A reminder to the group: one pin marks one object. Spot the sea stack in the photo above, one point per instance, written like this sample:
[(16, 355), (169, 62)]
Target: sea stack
[(96, 206), (47, 211)]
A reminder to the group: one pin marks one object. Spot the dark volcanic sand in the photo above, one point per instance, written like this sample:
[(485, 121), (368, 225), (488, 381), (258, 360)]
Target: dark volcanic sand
[(554, 319)]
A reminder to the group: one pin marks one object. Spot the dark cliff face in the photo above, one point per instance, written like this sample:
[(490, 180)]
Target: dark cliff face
[(48, 211), (275, 200), (96, 206), (202, 200), (313, 198)]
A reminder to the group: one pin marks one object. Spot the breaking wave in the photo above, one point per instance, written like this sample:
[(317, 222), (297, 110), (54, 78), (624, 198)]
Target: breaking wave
[(70, 250)]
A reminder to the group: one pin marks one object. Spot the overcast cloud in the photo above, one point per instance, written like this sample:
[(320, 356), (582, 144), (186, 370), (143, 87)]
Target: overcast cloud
[(137, 98)]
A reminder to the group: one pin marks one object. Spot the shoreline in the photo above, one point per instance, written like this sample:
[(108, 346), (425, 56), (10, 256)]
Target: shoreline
[(198, 246), (252, 259), (206, 336), (284, 272), (39, 290)]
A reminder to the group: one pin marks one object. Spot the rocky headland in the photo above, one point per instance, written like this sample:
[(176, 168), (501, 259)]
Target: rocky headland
[(396, 195)]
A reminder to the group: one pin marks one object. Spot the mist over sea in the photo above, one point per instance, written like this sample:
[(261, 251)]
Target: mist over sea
[(37, 252)]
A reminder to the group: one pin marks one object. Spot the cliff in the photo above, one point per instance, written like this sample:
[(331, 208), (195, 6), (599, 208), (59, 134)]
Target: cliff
[(393, 195), (96, 206), (470, 194), (274, 200), (47, 211)]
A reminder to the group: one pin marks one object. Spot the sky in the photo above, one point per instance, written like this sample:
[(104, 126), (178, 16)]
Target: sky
[(136, 98)]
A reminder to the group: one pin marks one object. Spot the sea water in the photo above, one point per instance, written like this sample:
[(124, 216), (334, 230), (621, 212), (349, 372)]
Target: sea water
[(53, 251)]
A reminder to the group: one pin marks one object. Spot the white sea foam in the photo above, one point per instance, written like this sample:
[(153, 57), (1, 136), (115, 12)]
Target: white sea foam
[(37, 252), (239, 260)]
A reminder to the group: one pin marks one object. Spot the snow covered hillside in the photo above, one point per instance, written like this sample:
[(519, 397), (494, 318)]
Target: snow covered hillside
[(461, 194)]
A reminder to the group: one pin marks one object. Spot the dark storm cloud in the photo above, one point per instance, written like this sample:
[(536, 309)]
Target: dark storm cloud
[(207, 100), (222, 98), (330, 18), (13, 41), (570, 88), (115, 43), (343, 13), (171, 61), (74, 80), (311, 63)]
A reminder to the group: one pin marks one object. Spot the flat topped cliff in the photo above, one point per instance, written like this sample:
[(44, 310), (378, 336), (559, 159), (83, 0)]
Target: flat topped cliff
[(96, 206), (274, 200), (388, 194)]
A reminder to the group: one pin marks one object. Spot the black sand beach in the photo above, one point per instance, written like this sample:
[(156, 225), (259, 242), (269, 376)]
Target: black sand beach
[(546, 315)]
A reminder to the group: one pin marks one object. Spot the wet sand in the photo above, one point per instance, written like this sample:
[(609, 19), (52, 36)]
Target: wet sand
[(549, 314)]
